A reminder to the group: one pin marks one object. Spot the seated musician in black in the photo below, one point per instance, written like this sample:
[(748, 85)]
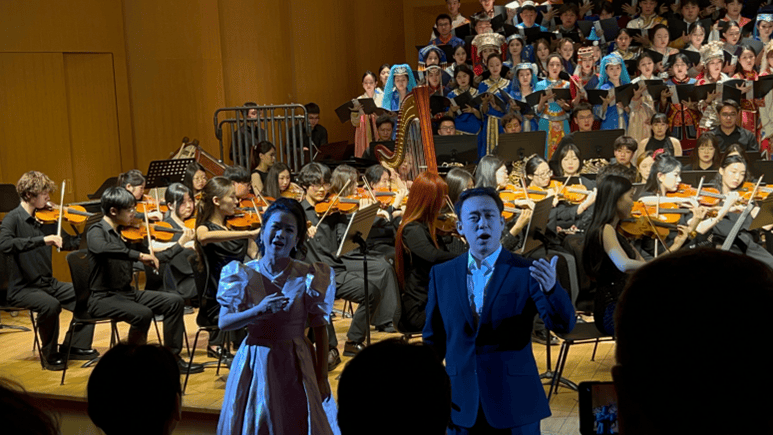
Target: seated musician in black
[(324, 238), (31, 283), (110, 261)]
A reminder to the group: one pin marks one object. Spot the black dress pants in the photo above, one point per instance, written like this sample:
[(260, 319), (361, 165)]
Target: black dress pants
[(48, 303), (138, 308)]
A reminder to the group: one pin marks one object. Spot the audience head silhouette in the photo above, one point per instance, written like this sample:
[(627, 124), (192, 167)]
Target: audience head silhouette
[(684, 342), (135, 389), (408, 375), (21, 414)]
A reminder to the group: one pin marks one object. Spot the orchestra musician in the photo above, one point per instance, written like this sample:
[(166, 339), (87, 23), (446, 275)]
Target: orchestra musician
[(218, 245), (111, 260), (31, 284)]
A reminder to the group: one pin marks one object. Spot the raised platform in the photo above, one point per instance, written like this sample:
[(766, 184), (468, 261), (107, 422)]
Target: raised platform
[(204, 397)]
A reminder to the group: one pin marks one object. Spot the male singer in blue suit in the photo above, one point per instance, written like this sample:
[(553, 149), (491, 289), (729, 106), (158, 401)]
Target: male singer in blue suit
[(479, 318)]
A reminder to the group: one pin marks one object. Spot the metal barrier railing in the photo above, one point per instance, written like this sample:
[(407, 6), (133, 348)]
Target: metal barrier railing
[(286, 126)]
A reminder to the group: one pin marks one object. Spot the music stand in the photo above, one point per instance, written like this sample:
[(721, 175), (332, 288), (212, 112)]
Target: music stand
[(458, 148), (684, 160), (162, 173), (356, 233), (535, 231), (694, 177), (516, 146), (765, 215), (599, 144)]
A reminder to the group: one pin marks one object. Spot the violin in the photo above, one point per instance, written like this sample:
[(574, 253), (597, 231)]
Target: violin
[(342, 204), (149, 204), (642, 227), (160, 231), (445, 223), (709, 196), (190, 223), (746, 191), (574, 193), (294, 191), (259, 201), (512, 193), (667, 212), (244, 221), (75, 214), (509, 212)]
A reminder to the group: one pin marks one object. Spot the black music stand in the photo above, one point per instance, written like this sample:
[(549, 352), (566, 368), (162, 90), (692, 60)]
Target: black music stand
[(694, 177), (162, 173), (356, 234), (458, 148), (516, 146), (537, 227), (598, 144), (765, 215), (764, 168)]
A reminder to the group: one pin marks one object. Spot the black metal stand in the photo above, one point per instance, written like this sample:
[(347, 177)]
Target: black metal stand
[(357, 238)]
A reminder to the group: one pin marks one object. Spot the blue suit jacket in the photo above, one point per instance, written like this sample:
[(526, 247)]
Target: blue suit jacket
[(493, 364)]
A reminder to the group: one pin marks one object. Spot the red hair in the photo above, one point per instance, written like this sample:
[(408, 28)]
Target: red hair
[(428, 194)]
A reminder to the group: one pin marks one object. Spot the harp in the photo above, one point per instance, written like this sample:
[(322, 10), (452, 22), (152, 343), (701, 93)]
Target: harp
[(414, 148)]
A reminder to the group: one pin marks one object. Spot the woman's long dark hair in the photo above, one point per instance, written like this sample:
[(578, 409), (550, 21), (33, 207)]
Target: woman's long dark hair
[(175, 195), (486, 173), (262, 147), (190, 172), (663, 164), (458, 180), (558, 157), (661, 118), (217, 186), (727, 161), (272, 180), (706, 138), (610, 189)]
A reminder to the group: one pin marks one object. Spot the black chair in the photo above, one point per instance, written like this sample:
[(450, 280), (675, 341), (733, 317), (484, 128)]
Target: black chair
[(583, 333), (9, 199), (79, 270), (406, 333), (200, 276), (5, 271), (110, 182)]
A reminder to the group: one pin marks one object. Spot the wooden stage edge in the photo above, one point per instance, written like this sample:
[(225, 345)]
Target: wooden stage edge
[(204, 395)]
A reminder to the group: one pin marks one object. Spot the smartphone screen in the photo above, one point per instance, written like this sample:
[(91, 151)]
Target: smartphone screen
[(598, 408)]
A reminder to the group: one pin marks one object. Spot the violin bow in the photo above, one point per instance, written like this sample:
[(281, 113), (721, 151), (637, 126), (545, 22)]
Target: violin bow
[(61, 214), (367, 186), (158, 203), (654, 229), (150, 241), (332, 202), (257, 213)]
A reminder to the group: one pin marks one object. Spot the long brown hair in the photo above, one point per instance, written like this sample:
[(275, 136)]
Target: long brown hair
[(428, 194), (215, 187)]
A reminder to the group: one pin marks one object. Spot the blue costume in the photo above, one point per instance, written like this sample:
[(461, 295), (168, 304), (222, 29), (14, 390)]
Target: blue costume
[(466, 123), (488, 138), (515, 91), (391, 100), (553, 119), (611, 118), (489, 359)]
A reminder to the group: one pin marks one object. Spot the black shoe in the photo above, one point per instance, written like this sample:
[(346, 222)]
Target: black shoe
[(386, 328), (215, 352), (79, 354), (351, 348), (188, 310), (195, 367), (541, 337), (54, 363), (333, 359)]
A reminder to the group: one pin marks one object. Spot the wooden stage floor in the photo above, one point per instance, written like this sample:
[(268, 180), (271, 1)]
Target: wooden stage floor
[(204, 396)]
